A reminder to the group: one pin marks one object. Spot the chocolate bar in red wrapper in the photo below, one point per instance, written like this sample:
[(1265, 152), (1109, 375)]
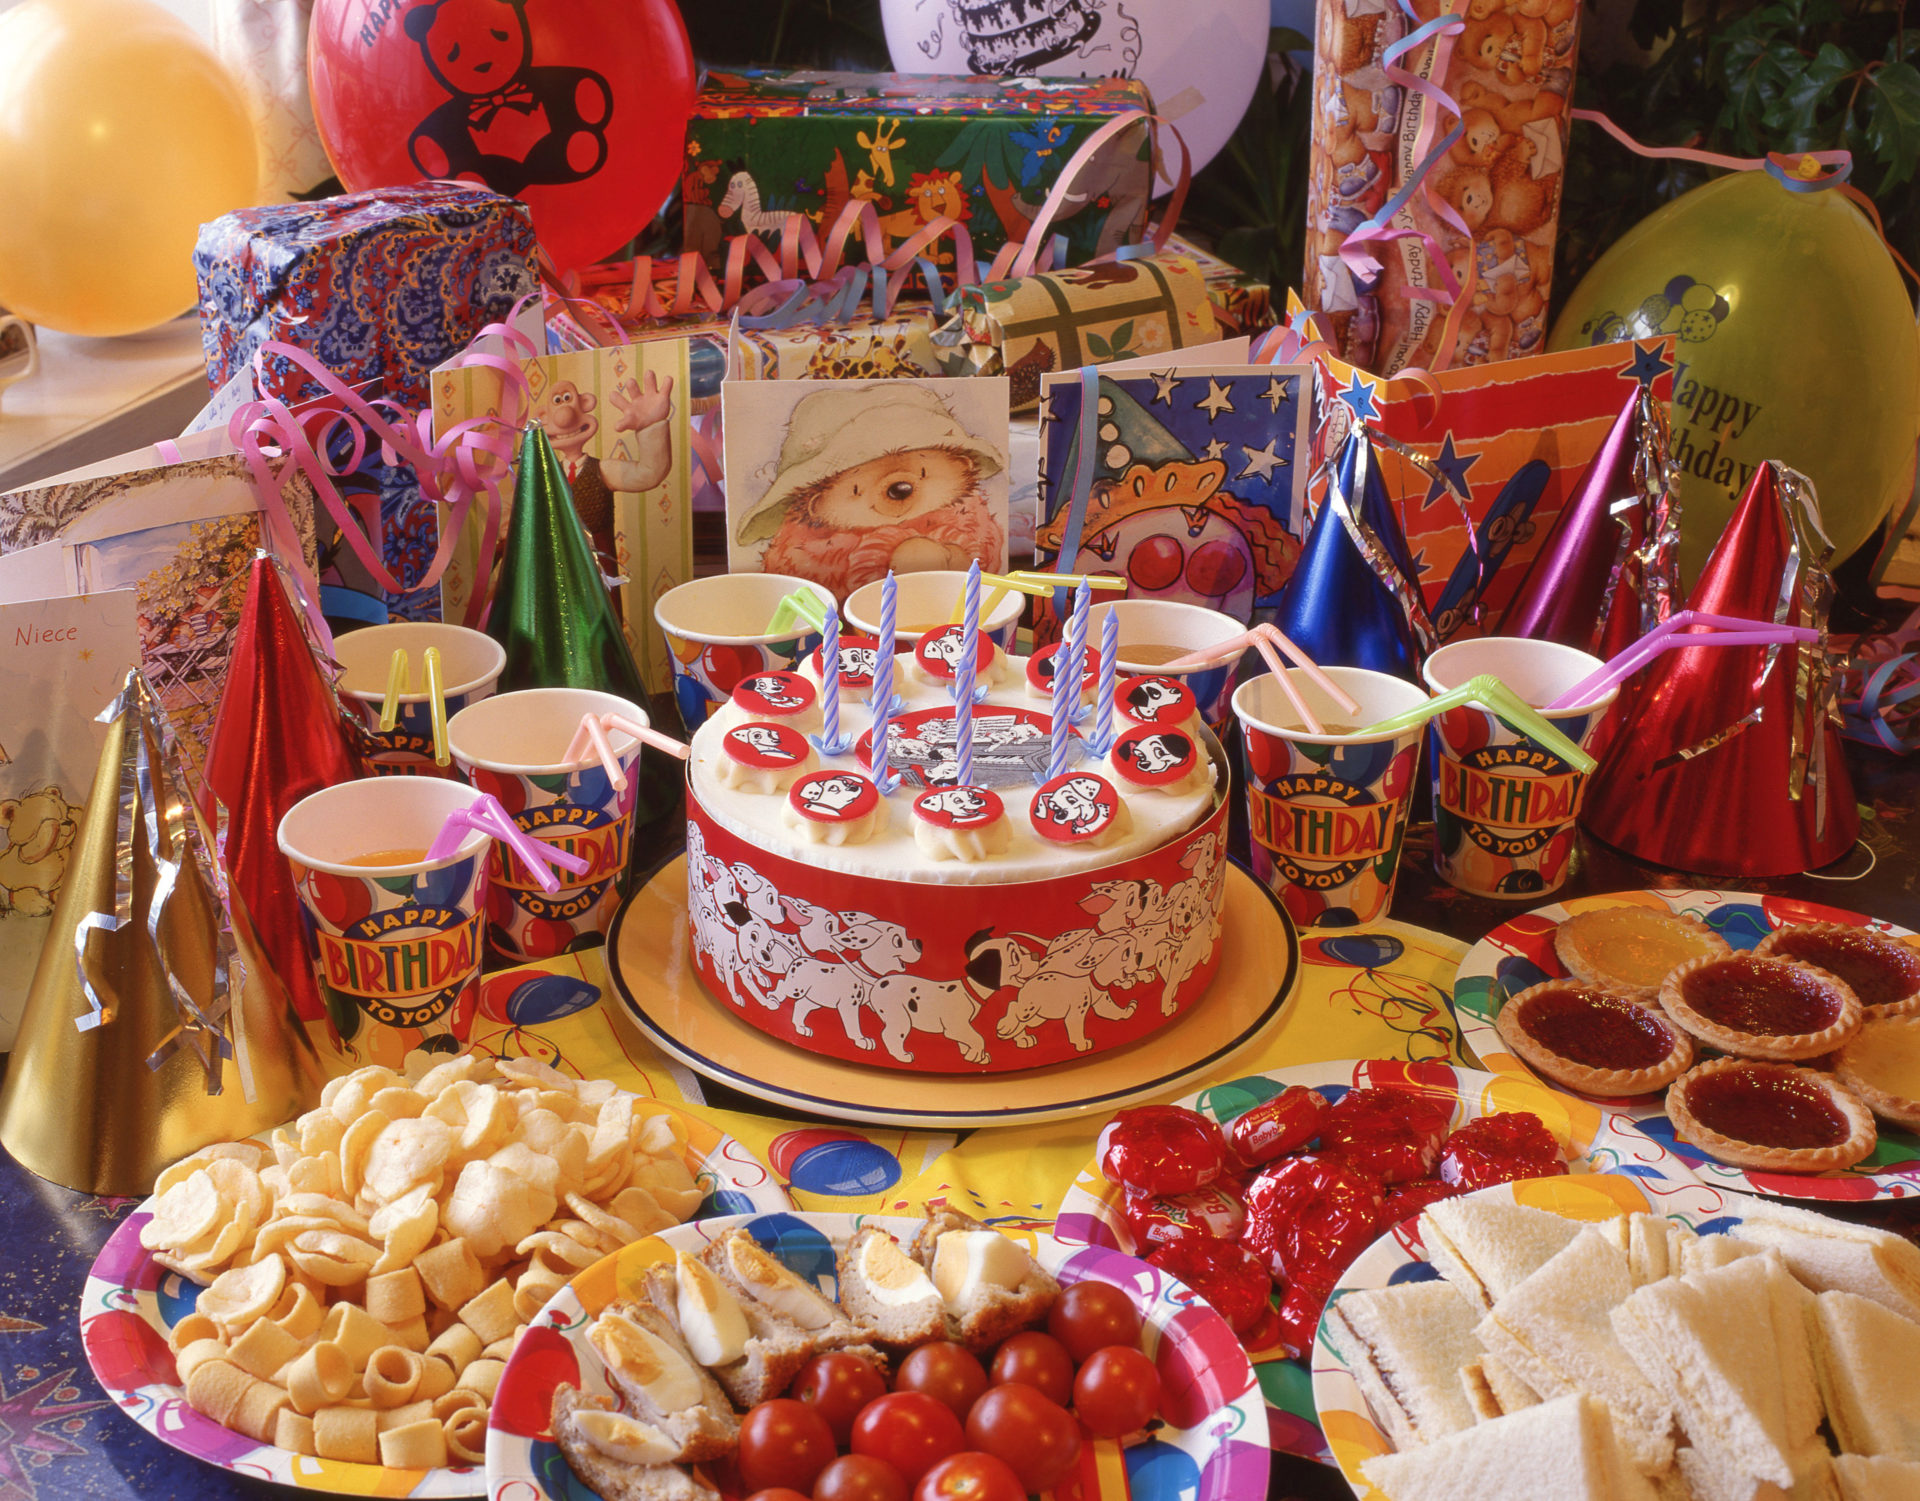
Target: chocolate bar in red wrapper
[(1729, 761)]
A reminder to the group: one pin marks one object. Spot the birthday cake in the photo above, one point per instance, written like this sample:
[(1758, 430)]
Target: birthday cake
[(1036, 904)]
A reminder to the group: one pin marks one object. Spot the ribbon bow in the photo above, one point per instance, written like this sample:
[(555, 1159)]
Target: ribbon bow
[(480, 112)]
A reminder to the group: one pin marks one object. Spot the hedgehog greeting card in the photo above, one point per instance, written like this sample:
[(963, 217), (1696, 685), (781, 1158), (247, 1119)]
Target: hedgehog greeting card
[(839, 482)]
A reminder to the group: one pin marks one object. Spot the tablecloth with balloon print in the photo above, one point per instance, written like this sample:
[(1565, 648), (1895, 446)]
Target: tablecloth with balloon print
[(1379, 992)]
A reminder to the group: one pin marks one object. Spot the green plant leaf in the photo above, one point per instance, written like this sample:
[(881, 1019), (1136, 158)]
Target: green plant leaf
[(1893, 120), (1805, 92)]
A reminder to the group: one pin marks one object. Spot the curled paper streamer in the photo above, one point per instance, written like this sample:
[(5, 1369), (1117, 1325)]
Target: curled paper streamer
[(149, 786), (1880, 690)]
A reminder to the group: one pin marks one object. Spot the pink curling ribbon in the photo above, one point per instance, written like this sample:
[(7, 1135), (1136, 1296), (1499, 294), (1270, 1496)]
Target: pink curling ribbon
[(469, 460)]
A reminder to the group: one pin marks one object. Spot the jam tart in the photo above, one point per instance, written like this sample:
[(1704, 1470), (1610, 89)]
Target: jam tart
[(1770, 1117), (1592, 1040), (1630, 950), (1881, 970), (1759, 1007), (1882, 1066)]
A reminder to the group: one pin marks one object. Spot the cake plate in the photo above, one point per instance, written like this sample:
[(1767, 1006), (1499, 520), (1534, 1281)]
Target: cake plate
[(653, 975)]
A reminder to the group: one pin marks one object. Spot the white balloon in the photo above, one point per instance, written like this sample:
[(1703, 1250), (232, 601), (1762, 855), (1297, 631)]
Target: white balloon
[(1200, 59)]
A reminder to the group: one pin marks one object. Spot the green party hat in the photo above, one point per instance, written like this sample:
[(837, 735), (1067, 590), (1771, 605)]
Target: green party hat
[(553, 614)]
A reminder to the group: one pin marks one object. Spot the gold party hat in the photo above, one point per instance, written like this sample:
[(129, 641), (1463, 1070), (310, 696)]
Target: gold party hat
[(148, 1032)]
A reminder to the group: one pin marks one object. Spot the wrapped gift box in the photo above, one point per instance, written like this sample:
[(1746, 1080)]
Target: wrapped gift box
[(766, 143), (378, 287)]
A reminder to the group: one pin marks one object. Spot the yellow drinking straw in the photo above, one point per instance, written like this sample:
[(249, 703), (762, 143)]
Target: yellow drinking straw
[(437, 707), (396, 686), (1030, 581)]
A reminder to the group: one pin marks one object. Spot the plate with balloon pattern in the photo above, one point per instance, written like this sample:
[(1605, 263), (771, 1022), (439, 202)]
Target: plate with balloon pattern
[(1519, 953), (1210, 1444)]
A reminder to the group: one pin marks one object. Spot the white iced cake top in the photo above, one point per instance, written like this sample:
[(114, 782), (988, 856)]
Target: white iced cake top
[(773, 786)]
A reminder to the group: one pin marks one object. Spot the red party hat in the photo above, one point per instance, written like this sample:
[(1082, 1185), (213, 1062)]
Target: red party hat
[(1728, 762), (1607, 570), (278, 737)]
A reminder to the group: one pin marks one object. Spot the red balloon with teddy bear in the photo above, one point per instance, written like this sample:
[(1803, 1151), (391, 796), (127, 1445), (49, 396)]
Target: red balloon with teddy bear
[(577, 107)]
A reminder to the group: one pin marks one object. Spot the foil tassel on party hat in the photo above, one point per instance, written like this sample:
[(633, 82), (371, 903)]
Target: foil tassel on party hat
[(1608, 570), (280, 735), (1353, 599), (1728, 763), (147, 1032), (552, 613)]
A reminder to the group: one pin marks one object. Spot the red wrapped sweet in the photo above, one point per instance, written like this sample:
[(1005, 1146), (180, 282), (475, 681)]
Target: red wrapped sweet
[(1299, 1314), (1393, 1134), (1406, 1200), (1285, 1123), (1214, 1212), (1501, 1148), (1224, 1274), (1313, 1212), (1162, 1149)]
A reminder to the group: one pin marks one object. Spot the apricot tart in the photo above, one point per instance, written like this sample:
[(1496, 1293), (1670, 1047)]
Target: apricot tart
[(1882, 1066), (1880, 969), (1630, 950), (1772, 1117), (1756, 1007), (1593, 1040)]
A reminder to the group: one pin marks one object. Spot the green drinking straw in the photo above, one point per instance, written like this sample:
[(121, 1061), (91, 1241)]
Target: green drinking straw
[(1496, 698), (800, 607)]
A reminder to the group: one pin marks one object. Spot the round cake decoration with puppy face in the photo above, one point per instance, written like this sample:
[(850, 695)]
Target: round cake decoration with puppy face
[(774, 695), (834, 797), (1074, 807), (1162, 702), (959, 808), (1148, 757)]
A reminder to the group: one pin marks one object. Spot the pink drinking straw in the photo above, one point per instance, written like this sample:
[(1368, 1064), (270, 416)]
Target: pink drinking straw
[(1206, 656), (645, 734), (485, 815), (1279, 670), (1722, 630)]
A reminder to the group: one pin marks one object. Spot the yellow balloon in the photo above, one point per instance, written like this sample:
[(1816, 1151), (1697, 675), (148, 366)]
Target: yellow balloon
[(1795, 342), (120, 134)]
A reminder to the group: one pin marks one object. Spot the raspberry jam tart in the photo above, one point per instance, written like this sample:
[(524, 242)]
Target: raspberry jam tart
[(1880, 969), (1770, 1116), (1758, 1007), (1593, 1040)]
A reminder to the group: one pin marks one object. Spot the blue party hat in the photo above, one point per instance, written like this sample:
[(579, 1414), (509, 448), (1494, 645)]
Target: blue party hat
[(1353, 600)]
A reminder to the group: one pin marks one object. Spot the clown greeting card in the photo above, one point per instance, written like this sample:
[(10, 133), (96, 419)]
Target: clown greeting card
[(841, 482)]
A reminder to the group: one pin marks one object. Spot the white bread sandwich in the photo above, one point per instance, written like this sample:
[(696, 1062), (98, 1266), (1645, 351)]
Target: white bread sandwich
[(1708, 1344), (990, 1287), (1861, 1478), (1563, 1450), (1555, 1329), (1487, 1248), (888, 1295), (1868, 1361), (1477, 1392), (1505, 1384), (1406, 1347), (661, 1383), (1831, 1255), (754, 1357), (622, 1458), (1705, 1252)]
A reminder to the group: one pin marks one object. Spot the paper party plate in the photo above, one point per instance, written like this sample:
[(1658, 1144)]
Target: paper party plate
[(1399, 1257), (1600, 1140), (1520, 953), (131, 1303), (1211, 1446)]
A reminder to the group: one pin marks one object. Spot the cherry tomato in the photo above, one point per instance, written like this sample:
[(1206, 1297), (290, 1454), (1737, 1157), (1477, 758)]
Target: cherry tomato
[(945, 1371), (970, 1476), (1030, 1431), (1039, 1360), (910, 1431), (1089, 1316), (779, 1493), (837, 1386), (1117, 1391), (783, 1442), (860, 1477)]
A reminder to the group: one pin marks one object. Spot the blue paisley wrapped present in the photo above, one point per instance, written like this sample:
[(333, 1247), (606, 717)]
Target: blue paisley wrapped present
[(380, 287)]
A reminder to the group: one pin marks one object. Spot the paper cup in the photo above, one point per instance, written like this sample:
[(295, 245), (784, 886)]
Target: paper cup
[(470, 665), (1503, 805), (925, 600), (397, 944), (716, 630), (514, 746), (1328, 812), (1154, 631)]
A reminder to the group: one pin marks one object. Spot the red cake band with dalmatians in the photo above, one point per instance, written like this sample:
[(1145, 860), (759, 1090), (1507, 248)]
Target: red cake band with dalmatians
[(1010, 921)]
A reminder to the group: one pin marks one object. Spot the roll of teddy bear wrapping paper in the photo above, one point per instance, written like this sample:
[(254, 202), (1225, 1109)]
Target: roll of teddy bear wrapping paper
[(1437, 130)]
